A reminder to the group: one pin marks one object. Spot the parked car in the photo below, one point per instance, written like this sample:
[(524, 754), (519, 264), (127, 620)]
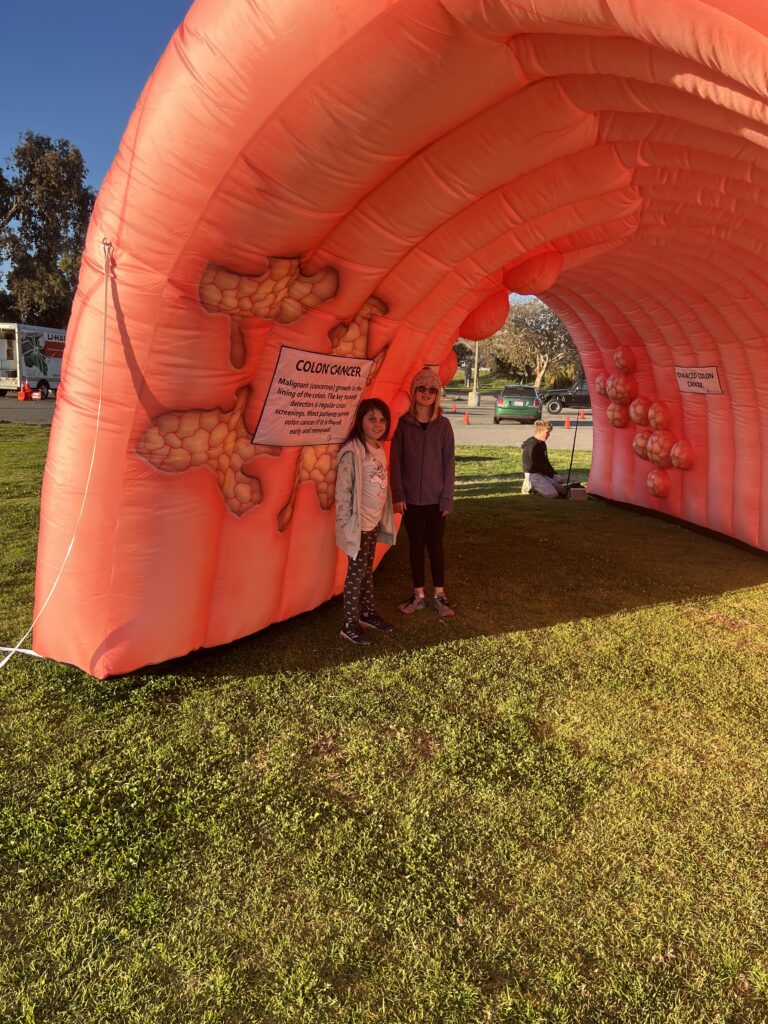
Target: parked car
[(519, 402), (576, 397)]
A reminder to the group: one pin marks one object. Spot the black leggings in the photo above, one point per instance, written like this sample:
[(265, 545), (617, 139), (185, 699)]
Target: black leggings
[(425, 526)]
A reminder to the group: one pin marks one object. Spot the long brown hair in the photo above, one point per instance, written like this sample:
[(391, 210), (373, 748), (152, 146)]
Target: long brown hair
[(365, 407)]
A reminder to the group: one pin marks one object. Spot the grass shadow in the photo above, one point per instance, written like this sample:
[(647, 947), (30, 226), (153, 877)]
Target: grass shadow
[(515, 563)]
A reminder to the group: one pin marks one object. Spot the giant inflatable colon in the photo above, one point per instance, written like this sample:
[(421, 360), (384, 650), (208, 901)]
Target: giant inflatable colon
[(355, 180)]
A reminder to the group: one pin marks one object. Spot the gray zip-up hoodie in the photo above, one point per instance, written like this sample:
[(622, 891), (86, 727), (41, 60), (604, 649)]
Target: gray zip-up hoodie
[(349, 498), (421, 459)]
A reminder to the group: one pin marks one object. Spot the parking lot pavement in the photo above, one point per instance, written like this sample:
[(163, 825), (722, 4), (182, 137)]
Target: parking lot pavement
[(34, 411), (480, 430)]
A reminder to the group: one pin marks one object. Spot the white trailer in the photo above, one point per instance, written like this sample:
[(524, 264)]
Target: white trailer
[(30, 353)]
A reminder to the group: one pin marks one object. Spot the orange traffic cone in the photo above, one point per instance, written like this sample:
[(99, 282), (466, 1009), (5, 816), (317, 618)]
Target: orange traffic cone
[(582, 414), (453, 407), (25, 393), (466, 417), (567, 422)]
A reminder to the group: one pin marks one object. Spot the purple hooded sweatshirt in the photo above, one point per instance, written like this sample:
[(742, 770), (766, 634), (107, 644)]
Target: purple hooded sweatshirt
[(421, 460)]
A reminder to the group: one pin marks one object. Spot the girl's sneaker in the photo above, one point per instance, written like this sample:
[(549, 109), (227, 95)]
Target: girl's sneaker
[(444, 610), (375, 621), (354, 634), (415, 603)]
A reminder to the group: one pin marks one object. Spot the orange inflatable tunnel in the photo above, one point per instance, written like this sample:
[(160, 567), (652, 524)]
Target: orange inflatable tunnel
[(309, 201)]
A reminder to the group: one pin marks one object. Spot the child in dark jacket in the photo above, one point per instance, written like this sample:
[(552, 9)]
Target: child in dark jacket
[(539, 473), (422, 475)]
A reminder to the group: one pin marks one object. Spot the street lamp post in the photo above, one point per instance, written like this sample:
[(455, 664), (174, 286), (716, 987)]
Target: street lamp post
[(473, 398)]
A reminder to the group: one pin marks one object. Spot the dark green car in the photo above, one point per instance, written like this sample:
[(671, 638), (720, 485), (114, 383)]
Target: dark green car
[(519, 402)]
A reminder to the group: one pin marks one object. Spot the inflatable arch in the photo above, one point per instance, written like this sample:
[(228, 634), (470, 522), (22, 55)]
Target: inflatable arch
[(353, 182)]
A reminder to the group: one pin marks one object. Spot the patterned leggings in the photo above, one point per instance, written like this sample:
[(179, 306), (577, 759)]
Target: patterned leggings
[(358, 589)]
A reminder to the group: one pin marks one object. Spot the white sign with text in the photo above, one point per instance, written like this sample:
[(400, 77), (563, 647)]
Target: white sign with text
[(698, 380), (312, 399)]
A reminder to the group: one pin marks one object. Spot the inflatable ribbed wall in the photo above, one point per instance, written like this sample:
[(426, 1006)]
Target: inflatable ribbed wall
[(344, 184)]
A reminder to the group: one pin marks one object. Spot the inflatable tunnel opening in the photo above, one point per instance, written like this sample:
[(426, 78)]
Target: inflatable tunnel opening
[(351, 188), (532, 347)]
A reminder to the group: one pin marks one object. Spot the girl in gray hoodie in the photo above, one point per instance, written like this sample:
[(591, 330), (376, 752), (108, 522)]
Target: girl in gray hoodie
[(422, 473)]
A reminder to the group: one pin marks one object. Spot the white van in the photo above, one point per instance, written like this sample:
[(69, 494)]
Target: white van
[(33, 354)]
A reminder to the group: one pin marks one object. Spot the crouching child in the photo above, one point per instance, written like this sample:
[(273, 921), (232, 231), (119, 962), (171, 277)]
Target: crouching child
[(540, 476)]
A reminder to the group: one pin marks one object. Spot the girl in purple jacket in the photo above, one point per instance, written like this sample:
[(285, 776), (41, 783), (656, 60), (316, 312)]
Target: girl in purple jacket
[(422, 470)]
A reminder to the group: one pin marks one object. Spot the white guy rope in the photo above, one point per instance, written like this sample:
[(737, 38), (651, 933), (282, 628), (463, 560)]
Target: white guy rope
[(18, 649)]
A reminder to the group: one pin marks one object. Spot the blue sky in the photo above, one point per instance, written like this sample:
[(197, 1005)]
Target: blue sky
[(75, 70)]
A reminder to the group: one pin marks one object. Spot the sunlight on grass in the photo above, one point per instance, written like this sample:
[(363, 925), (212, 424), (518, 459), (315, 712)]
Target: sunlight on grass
[(551, 809)]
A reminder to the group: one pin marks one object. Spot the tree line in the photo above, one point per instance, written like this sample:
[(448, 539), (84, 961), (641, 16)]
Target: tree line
[(532, 347), (45, 207)]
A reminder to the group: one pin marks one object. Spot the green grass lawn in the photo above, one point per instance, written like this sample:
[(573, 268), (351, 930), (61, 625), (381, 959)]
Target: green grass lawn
[(551, 809), (486, 382)]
